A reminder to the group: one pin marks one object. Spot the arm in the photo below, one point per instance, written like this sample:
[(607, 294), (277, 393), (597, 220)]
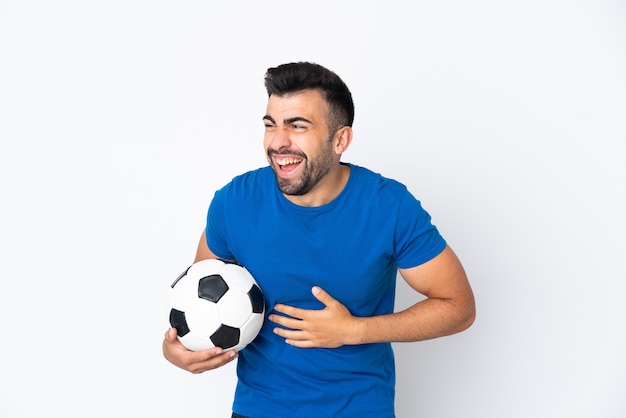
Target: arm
[(203, 252), (200, 361), (448, 309)]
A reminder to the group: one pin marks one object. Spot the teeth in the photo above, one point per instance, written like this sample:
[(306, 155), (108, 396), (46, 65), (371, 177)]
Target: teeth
[(286, 161)]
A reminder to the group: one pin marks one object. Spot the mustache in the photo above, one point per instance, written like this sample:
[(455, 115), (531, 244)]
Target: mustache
[(285, 151)]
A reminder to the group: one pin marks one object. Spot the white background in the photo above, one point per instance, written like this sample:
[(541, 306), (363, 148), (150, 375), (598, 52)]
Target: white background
[(119, 120)]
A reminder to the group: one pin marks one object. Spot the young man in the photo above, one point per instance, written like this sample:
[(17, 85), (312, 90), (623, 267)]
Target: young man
[(325, 241)]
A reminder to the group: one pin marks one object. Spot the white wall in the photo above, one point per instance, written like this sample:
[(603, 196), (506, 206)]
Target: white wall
[(119, 119)]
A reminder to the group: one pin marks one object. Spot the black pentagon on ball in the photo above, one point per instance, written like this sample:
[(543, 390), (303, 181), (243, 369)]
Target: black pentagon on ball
[(225, 337), (257, 299), (179, 321), (212, 288)]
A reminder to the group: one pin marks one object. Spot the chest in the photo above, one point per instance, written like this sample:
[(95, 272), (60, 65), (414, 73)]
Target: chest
[(348, 254)]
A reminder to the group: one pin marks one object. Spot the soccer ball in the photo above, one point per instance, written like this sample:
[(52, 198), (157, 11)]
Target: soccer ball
[(216, 304)]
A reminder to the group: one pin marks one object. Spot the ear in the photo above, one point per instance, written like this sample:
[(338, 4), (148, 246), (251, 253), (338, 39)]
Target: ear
[(343, 138)]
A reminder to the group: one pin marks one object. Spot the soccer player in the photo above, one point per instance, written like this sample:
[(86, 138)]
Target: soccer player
[(325, 240)]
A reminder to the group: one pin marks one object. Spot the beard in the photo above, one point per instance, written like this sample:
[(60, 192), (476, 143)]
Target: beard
[(315, 169)]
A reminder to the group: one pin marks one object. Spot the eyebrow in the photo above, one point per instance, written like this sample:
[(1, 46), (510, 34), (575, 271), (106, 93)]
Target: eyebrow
[(288, 121)]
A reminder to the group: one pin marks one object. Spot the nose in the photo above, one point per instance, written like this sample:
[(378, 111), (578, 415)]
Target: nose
[(277, 138)]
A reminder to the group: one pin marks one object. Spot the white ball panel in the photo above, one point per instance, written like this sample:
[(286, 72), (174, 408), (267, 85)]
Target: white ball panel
[(237, 277), (204, 268), (203, 317), (234, 308), (182, 290), (251, 328)]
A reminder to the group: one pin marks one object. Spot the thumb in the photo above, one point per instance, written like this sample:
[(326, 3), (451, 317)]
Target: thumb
[(170, 335)]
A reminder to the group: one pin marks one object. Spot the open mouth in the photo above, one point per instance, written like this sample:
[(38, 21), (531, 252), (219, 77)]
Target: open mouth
[(287, 164)]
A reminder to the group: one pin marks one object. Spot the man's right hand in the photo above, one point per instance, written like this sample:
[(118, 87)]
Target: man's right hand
[(194, 361)]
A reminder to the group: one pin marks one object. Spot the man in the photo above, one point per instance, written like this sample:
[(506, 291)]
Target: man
[(325, 241)]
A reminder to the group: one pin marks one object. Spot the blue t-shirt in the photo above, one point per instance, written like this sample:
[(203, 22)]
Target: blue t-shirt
[(350, 247)]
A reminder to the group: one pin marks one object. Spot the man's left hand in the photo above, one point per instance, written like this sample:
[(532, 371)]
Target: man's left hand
[(330, 327)]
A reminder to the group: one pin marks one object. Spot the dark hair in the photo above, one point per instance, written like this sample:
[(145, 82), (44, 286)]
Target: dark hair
[(298, 76)]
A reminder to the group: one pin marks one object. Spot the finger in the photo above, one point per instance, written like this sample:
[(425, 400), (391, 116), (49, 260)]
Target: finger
[(292, 337), (286, 321), (321, 295), (300, 343), (211, 359), (210, 353), (290, 310), (217, 355)]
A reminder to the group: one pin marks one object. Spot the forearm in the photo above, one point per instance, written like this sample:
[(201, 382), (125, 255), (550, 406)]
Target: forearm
[(335, 326), (428, 319)]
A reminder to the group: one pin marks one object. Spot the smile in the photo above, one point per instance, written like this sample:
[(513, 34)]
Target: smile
[(287, 166), (285, 160)]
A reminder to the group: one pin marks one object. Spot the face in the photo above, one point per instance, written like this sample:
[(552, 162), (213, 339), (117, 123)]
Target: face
[(297, 141)]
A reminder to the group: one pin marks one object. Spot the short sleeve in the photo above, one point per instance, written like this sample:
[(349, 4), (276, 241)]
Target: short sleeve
[(417, 240), (216, 227)]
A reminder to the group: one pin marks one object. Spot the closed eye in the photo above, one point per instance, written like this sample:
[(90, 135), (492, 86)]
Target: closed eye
[(298, 122), (268, 121)]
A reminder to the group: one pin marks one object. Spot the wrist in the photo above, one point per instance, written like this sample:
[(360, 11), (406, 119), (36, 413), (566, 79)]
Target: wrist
[(358, 331)]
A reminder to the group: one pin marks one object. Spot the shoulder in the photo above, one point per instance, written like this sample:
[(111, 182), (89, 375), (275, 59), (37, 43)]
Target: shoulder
[(253, 181), (377, 192), (376, 183), (242, 195), (253, 176)]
